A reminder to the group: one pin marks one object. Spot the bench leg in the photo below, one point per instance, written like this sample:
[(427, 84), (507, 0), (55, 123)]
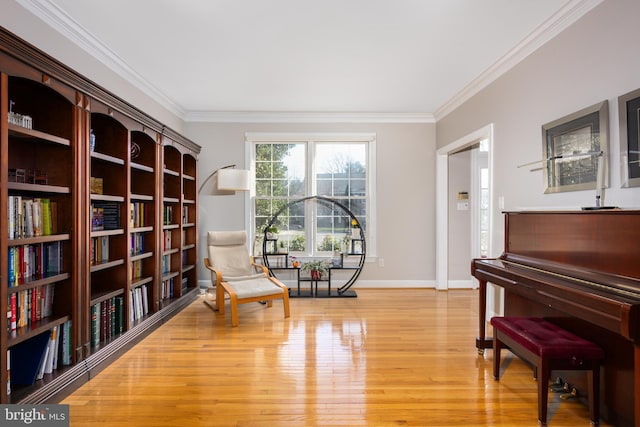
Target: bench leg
[(593, 377), (497, 346), (543, 373)]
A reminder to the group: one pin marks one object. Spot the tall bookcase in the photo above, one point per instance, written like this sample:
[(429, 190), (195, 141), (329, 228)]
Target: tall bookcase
[(179, 219), (98, 240)]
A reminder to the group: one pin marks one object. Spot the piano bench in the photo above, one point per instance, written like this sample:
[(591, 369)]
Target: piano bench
[(548, 347)]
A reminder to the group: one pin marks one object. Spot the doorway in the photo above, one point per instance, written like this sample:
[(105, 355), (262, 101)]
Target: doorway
[(485, 135)]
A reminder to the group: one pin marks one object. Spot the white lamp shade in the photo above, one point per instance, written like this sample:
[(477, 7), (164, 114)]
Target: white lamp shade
[(226, 181), (232, 180)]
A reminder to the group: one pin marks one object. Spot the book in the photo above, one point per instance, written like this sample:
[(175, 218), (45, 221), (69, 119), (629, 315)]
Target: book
[(48, 362), (27, 358), (95, 325), (8, 372), (66, 351)]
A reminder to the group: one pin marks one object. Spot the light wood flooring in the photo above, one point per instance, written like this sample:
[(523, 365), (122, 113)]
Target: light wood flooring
[(385, 358)]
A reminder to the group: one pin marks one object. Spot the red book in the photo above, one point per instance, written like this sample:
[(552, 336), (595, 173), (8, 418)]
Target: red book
[(14, 311)]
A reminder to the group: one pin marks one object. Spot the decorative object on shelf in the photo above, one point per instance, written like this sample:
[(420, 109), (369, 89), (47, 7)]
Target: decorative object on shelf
[(227, 180), (135, 150), (294, 262), (19, 119), (628, 113), (337, 261), (92, 141), (316, 268), (17, 175), (272, 232), (355, 229)]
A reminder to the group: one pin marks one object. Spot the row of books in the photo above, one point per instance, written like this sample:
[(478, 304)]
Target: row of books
[(31, 217), (29, 306), (139, 303), (166, 239), (137, 243), (27, 262), (105, 216), (166, 264), (167, 215), (185, 214), (107, 320), (30, 360), (140, 215), (166, 290), (136, 270), (99, 250)]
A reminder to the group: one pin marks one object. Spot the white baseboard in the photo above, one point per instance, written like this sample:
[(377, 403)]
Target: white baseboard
[(381, 284)]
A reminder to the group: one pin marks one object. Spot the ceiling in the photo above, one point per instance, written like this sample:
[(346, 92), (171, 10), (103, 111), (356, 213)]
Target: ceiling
[(202, 58)]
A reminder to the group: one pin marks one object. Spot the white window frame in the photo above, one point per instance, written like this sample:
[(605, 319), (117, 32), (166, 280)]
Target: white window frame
[(310, 139)]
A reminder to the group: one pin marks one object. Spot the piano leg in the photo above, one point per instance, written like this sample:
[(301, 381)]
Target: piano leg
[(482, 342), (636, 384)]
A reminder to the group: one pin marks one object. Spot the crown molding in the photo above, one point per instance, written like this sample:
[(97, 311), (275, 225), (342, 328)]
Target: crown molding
[(60, 21), (306, 117), (561, 20), (71, 29)]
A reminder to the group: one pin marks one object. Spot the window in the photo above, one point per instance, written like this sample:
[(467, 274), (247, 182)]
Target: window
[(291, 167)]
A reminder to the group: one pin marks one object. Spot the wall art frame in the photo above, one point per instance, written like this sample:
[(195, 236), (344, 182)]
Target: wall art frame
[(629, 122), (571, 146)]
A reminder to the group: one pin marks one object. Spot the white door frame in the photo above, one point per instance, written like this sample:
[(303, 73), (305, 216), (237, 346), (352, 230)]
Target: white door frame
[(442, 204)]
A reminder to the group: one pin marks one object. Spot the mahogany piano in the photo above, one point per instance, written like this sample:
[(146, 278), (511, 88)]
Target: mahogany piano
[(580, 269)]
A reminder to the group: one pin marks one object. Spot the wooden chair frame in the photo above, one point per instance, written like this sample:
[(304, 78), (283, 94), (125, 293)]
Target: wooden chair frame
[(222, 287)]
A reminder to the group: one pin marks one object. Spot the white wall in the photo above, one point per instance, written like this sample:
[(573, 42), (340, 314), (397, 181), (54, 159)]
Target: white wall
[(593, 60), (459, 247), (16, 19), (405, 193)]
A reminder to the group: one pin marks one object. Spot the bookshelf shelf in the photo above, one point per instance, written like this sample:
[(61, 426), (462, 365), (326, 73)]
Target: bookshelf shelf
[(101, 233), (36, 282), (39, 239), (170, 275), (107, 158), (38, 188), (23, 334), (138, 257), (139, 281), (107, 198), (106, 265), (35, 135), (104, 296), (141, 197), (142, 168)]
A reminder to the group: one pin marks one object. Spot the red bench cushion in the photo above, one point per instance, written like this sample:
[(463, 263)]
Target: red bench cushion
[(547, 339)]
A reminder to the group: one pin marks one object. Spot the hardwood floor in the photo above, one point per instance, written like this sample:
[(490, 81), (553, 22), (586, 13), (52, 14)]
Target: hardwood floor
[(386, 358)]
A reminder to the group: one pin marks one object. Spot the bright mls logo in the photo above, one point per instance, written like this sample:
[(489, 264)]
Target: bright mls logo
[(34, 415)]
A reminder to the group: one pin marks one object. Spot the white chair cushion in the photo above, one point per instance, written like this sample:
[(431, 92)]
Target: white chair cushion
[(254, 287)]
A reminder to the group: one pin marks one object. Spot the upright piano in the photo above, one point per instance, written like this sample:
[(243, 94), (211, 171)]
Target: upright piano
[(581, 270)]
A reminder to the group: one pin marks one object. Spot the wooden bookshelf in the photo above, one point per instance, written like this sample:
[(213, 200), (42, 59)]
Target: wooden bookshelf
[(99, 175)]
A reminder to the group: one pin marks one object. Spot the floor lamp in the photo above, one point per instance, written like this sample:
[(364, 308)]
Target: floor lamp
[(226, 181)]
